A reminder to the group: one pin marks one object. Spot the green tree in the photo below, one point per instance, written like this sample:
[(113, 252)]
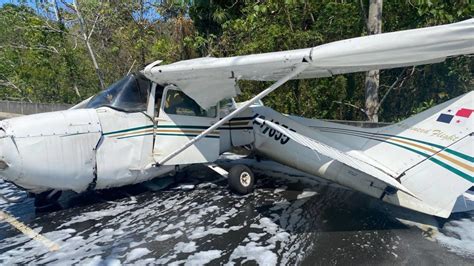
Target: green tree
[(43, 56)]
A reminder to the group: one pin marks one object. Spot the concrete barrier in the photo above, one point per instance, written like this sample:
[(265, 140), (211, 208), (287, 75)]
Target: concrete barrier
[(26, 108), (10, 109)]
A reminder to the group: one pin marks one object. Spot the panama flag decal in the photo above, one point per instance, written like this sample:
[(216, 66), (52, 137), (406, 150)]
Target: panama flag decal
[(455, 117)]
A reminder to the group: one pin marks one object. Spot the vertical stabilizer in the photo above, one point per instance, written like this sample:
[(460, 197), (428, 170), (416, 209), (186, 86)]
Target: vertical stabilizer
[(431, 154)]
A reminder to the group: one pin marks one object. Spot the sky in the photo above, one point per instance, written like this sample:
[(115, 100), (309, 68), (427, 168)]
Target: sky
[(151, 15), (16, 2), (31, 3), (13, 2)]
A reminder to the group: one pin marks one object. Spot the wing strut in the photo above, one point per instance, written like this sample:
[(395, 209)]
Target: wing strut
[(298, 69)]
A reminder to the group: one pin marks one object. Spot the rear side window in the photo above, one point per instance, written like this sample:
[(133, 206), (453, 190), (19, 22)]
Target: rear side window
[(178, 103)]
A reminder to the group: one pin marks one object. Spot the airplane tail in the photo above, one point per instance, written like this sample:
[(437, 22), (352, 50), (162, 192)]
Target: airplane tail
[(427, 159), (431, 154)]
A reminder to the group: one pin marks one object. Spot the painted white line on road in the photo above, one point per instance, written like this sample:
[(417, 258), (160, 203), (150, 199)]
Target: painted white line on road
[(28, 231)]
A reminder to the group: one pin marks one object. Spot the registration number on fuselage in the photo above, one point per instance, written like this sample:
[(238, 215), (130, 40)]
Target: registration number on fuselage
[(272, 133)]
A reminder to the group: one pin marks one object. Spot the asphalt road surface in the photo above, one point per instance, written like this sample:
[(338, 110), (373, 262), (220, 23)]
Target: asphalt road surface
[(289, 219)]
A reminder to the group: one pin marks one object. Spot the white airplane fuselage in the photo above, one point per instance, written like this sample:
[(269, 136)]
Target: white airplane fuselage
[(87, 149), (103, 148), (69, 150)]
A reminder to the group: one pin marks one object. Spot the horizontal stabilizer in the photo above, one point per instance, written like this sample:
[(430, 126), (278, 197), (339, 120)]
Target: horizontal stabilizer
[(335, 154)]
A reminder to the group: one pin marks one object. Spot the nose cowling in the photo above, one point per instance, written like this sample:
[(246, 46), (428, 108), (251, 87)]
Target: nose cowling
[(50, 151), (10, 163)]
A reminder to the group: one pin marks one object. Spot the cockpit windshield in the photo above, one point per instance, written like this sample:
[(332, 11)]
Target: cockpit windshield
[(129, 94)]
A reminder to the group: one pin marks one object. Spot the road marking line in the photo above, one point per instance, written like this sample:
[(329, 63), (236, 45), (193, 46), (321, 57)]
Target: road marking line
[(29, 232)]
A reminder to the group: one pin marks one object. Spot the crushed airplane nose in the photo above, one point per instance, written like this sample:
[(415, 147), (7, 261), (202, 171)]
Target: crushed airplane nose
[(50, 151), (8, 156), (3, 165)]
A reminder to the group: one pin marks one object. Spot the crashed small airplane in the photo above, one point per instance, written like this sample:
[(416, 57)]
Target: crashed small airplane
[(166, 117)]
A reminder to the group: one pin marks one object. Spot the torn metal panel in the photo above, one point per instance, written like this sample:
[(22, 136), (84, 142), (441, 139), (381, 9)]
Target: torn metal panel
[(60, 156), (70, 122), (125, 153)]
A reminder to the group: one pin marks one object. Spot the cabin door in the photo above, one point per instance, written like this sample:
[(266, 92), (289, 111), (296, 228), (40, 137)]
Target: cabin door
[(179, 120)]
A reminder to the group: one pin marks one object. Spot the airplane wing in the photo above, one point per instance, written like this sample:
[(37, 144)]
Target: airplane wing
[(337, 155), (208, 80)]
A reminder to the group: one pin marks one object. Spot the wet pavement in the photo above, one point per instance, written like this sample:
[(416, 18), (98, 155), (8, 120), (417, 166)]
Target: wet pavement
[(290, 218)]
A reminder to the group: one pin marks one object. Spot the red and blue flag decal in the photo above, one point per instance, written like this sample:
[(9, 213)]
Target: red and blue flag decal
[(455, 117)]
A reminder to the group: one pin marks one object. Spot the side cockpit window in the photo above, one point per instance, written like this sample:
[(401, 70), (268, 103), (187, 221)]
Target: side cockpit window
[(178, 103)]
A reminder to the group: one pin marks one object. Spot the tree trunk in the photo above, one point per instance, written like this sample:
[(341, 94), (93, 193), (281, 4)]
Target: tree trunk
[(141, 25), (67, 56), (88, 44), (372, 77)]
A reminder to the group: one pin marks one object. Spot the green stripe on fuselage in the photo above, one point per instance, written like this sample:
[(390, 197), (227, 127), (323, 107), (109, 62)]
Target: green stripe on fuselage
[(166, 134), (434, 160), (151, 126), (185, 135), (453, 152), (378, 137), (448, 150), (127, 130)]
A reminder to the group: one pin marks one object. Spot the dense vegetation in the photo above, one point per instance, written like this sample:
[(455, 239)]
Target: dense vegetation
[(48, 48)]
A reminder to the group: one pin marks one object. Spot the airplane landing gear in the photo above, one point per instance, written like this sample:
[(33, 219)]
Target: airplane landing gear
[(241, 179), (47, 199)]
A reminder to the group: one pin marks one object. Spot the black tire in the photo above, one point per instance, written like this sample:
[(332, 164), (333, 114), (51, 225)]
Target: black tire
[(46, 199), (241, 179)]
